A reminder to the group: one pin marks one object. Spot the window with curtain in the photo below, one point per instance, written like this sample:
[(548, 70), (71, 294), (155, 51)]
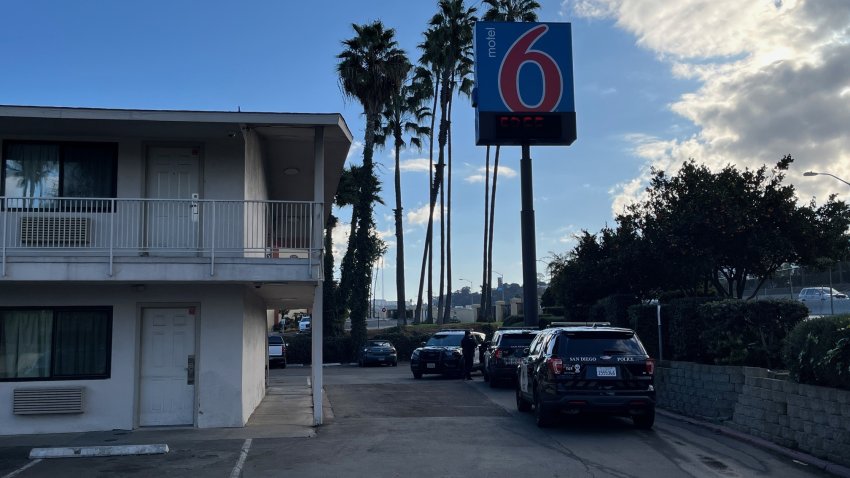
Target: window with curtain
[(40, 171), (55, 343)]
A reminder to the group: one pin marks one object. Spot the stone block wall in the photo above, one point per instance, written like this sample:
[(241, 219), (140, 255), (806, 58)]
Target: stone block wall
[(815, 420), (709, 392)]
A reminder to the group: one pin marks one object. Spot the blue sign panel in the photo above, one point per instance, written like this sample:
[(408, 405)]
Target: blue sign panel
[(524, 83)]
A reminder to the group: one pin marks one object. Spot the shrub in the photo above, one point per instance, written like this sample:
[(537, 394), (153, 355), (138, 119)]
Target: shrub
[(613, 309), (643, 319), (685, 329), (749, 333), (817, 351)]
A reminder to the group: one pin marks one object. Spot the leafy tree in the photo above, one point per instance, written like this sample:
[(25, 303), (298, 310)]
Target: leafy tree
[(733, 225), (370, 68)]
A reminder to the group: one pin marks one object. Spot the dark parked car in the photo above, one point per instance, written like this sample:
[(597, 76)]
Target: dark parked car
[(504, 352), (379, 352), (277, 351), (442, 354), (587, 369)]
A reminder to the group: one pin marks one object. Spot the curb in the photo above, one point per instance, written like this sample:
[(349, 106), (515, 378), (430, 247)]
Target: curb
[(838, 470), (92, 451)]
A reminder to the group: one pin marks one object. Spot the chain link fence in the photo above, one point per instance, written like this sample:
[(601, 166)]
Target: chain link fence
[(788, 283)]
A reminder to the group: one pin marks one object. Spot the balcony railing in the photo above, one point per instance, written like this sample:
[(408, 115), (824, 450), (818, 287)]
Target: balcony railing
[(160, 227)]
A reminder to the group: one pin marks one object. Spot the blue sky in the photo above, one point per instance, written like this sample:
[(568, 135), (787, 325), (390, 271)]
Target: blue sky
[(722, 81)]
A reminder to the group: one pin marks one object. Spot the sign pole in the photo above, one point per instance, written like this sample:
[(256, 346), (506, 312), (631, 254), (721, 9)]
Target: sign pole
[(529, 248)]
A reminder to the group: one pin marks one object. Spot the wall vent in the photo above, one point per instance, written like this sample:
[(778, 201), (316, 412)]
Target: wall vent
[(55, 231), (43, 401)]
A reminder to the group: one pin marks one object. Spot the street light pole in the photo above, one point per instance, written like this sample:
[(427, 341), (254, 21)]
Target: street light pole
[(502, 287), (812, 173)]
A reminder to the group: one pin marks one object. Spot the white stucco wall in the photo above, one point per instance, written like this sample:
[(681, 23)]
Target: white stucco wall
[(111, 403), (254, 333)]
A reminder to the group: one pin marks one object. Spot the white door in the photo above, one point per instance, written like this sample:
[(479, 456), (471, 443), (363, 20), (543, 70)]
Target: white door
[(173, 216), (167, 375)]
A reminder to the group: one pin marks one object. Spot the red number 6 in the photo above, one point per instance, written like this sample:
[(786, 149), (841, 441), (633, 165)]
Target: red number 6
[(518, 54)]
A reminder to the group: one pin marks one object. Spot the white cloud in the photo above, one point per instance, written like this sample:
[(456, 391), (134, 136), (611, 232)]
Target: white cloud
[(505, 172), (419, 216), (772, 80), (418, 165)]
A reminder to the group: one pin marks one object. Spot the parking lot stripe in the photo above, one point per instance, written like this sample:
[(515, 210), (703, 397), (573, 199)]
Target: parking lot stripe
[(21, 469), (237, 470)]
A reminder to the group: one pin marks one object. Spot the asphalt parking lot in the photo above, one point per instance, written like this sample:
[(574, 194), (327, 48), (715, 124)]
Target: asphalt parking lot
[(383, 423)]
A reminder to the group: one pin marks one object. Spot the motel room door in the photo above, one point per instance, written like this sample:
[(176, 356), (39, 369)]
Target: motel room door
[(173, 214), (167, 374)]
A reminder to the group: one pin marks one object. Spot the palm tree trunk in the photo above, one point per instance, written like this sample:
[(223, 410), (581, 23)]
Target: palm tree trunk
[(399, 236), (441, 291), (492, 218), (448, 309), (482, 309), (427, 253)]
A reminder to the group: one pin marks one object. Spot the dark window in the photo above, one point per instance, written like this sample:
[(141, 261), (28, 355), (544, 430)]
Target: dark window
[(445, 340), (599, 344), (275, 340), (55, 343), (37, 172), (516, 340)]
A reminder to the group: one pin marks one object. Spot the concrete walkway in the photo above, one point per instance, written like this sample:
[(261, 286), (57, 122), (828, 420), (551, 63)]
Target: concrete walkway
[(285, 412)]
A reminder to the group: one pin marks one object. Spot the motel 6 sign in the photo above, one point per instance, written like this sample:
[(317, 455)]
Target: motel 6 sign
[(524, 84)]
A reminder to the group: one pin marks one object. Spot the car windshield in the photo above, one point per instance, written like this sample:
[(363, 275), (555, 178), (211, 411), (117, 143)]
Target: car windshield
[(599, 344), (516, 340), (445, 340), (378, 344), (275, 340)]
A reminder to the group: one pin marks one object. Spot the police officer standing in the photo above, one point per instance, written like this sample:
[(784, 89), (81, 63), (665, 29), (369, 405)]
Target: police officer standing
[(468, 345)]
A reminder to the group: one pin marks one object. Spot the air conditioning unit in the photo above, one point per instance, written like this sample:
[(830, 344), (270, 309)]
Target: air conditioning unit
[(44, 401)]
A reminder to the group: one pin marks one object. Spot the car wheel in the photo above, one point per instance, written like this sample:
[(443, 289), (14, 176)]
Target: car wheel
[(395, 364), (283, 365), (542, 417), (521, 403), (492, 382), (417, 375), (644, 421)]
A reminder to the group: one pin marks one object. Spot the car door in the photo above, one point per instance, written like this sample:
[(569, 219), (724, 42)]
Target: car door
[(527, 366)]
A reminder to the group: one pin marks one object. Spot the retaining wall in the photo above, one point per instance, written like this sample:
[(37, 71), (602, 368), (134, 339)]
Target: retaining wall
[(815, 420)]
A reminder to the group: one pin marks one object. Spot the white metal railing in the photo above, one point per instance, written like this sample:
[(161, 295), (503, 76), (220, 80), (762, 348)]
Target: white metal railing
[(151, 227)]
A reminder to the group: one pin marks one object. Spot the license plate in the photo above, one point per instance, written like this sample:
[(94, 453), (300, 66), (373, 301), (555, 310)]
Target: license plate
[(430, 365), (606, 371), (511, 361)]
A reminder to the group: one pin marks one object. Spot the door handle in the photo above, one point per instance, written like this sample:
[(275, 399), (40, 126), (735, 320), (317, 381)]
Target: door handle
[(190, 370)]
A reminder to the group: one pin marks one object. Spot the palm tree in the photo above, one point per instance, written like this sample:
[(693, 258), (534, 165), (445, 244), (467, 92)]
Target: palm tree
[(455, 22), (404, 113), (428, 79), (370, 68), (499, 11)]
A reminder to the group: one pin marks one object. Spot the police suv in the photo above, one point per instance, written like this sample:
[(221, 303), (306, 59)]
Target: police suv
[(587, 368)]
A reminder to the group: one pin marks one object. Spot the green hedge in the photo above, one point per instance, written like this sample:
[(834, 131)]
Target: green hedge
[(643, 319), (817, 352), (613, 309), (751, 333), (685, 328)]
